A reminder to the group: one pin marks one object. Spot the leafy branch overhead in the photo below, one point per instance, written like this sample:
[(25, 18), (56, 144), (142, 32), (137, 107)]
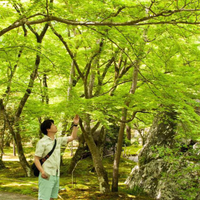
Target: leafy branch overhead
[(171, 13)]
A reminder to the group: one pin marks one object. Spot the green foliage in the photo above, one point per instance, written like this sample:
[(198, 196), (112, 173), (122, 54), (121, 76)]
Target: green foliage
[(136, 190), (166, 55), (168, 63)]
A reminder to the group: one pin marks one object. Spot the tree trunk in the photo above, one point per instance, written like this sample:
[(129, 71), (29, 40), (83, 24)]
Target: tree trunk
[(98, 164), (78, 155), (45, 97), (39, 130), (83, 151), (122, 128), (2, 128), (17, 137), (14, 148), (118, 153), (101, 141), (7, 92), (128, 132), (142, 135), (20, 150), (2, 166), (97, 160), (71, 80)]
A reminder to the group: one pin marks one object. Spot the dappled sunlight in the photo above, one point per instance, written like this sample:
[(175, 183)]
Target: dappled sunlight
[(16, 184), (85, 183)]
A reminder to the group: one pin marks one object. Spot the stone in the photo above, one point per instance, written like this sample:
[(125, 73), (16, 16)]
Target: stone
[(163, 172)]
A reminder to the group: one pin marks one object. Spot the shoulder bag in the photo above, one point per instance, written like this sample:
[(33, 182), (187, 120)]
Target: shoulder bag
[(34, 168)]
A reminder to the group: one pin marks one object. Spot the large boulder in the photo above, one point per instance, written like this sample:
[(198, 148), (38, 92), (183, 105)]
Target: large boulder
[(163, 171)]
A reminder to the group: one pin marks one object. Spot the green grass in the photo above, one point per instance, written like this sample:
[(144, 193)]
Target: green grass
[(131, 150), (82, 185), (12, 179)]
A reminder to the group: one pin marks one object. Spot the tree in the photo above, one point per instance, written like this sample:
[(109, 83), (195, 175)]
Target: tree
[(113, 53)]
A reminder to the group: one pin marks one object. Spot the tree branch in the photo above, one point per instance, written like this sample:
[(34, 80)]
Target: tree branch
[(68, 50), (88, 66), (95, 127), (132, 118), (137, 22), (81, 125), (114, 14)]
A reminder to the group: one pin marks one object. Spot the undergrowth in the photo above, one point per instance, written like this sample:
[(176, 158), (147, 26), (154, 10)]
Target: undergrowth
[(82, 184)]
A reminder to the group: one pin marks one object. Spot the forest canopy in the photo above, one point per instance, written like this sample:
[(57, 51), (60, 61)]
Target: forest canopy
[(162, 36), (113, 62)]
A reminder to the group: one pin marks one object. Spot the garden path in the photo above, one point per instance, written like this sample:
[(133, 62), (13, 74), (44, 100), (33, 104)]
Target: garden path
[(11, 196)]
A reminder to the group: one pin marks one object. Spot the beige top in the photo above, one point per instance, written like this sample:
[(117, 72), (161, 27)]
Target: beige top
[(52, 165)]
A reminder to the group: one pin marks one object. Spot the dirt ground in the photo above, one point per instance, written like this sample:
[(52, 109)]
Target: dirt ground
[(11, 196)]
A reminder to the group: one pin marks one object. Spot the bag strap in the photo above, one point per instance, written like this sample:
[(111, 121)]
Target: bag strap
[(49, 154)]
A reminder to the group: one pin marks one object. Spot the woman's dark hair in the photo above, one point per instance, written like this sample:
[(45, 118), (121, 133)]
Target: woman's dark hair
[(46, 125)]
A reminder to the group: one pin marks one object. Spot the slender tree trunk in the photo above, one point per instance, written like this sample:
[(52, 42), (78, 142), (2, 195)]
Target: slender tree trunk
[(40, 132), (2, 131), (142, 136), (118, 153), (69, 89), (45, 90), (20, 150), (141, 133), (14, 148), (71, 78), (2, 128), (2, 166), (128, 132), (122, 128)]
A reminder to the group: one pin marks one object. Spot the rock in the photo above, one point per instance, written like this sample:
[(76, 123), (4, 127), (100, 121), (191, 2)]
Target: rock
[(163, 172), (133, 158)]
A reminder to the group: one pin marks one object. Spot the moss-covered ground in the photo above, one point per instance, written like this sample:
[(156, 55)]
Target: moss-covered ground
[(82, 184)]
